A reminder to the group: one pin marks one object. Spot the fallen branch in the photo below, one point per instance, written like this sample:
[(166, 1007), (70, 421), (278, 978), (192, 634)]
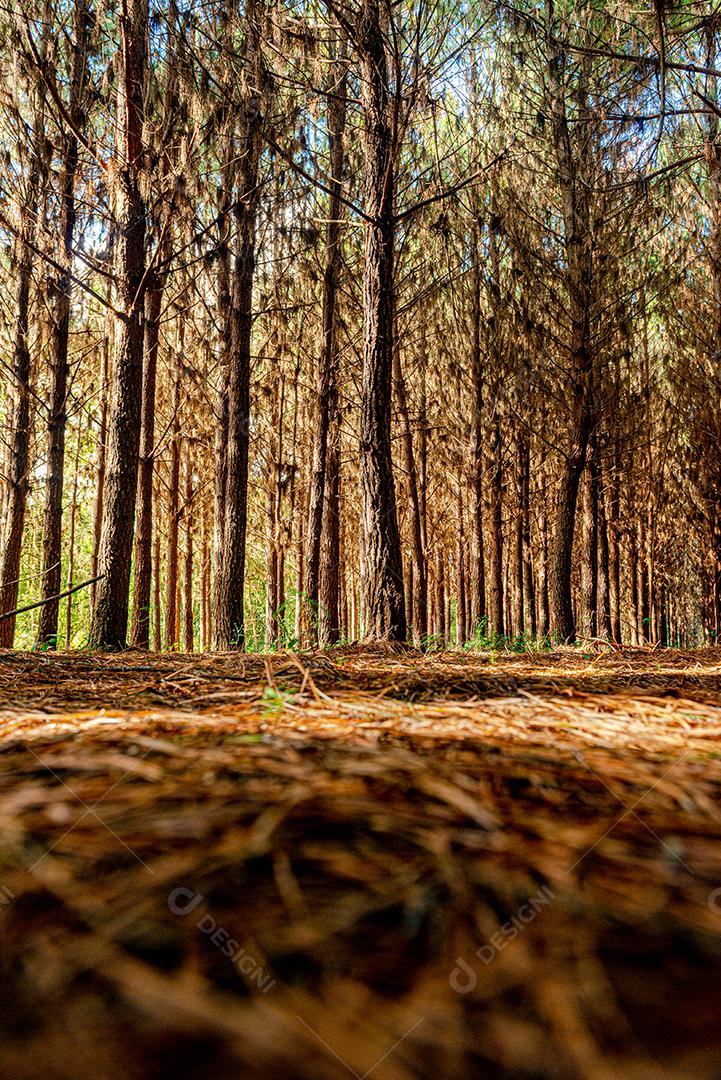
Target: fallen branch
[(59, 596)]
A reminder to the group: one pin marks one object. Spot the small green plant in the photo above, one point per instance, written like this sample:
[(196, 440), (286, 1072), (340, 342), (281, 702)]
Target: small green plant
[(275, 700)]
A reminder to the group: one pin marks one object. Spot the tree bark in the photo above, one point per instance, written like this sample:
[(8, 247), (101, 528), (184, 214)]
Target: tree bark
[(109, 623), (418, 601), (382, 572), (495, 574), (578, 274), (477, 582), (140, 624), (20, 445), (326, 390), (171, 559), (53, 511), (228, 622)]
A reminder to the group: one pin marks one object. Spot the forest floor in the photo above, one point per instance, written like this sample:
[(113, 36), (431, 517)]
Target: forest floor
[(364, 862)]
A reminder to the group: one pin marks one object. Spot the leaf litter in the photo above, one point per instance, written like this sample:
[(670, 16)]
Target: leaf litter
[(389, 864)]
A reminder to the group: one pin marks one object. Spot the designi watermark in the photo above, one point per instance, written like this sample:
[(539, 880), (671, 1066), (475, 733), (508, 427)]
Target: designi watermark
[(6, 896), (184, 901), (463, 978)]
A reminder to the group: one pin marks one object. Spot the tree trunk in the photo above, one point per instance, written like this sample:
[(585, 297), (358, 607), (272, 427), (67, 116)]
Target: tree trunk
[(110, 614), (418, 601), (495, 584), (188, 557), (477, 582), (578, 247), (327, 389), (53, 513), (100, 456), (140, 624), (588, 602), (228, 622), (460, 572), (517, 555), (329, 619), (382, 572), (529, 585), (71, 547), (20, 446), (171, 560)]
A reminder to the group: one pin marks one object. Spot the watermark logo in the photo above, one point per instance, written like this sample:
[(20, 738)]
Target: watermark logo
[(463, 978), (184, 901), (6, 896)]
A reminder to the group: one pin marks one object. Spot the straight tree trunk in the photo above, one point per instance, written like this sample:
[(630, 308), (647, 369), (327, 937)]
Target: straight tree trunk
[(382, 571), (477, 582), (109, 623), (100, 456), (156, 591), (329, 613), (529, 585), (53, 511), (575, 202), (589, 560), (605, 623), (327, 390), (517, 554), (228, 621), (71, 548), (20, 445), (19, 448), (188, 554), (418, 601), (171, 559), (495, 583), (140, 623)]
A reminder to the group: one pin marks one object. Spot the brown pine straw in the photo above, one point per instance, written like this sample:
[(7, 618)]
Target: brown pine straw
[(365, 824)]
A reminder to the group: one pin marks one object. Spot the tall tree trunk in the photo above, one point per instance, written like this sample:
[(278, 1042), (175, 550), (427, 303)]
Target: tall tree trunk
[(329, 614), (100, 455), (517, 552), (529, 585), (634, 615), (20, 445), (575, 202), (110, 614), (188, 555), (71, 547), (382, 571), (605, 623), (495, 583), (171, 561), (156, 591), (439, 626), (419, 598), (228, 622), (140, 624), (477, 582), (53, 512), (327, 390), (461, 631), (19, 448), (588, 601)]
